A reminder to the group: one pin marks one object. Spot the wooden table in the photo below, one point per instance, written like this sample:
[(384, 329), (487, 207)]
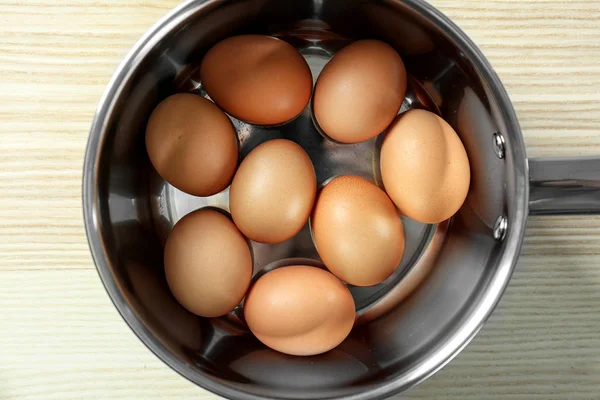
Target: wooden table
[(61, 337)]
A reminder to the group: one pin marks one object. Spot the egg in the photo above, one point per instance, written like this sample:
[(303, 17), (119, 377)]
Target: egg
[(192, 144), (208, 263), (360, 91), (258, 79), (357, 231), (299, 310), (273, 191), (424, 167)]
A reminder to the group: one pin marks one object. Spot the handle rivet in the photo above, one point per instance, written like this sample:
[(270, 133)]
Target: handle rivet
[(499, 145), (500, 228)]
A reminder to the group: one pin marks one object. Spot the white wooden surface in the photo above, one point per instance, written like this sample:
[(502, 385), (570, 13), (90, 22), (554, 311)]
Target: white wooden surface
[(60, 336)]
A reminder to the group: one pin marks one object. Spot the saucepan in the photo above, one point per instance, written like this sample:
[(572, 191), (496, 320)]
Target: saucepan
[(452, 274)]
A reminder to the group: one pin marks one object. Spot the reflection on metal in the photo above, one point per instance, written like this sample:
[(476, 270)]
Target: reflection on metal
[(500, 228), (499, 145), (564, 186)]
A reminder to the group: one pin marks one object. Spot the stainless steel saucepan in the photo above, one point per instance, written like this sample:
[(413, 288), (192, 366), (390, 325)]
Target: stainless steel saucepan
[(405, 331)]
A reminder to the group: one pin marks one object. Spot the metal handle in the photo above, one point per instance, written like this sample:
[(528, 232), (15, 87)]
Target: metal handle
[(563, 186)]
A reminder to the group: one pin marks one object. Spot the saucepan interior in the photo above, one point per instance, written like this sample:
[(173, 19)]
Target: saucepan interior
[(128, 208)]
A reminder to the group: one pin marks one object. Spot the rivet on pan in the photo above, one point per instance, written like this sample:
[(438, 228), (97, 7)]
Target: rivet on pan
[(499, 145), (500, 227)]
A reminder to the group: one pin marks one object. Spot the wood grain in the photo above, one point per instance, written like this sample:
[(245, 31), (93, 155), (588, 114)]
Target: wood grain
[(60, 336)]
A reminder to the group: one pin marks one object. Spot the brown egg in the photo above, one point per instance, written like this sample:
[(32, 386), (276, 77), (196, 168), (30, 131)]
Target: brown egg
[(258, 79), (424, 167), (357, 231), (208, 263), (299, 310), (360, 91), (192, 144), (273, 192)]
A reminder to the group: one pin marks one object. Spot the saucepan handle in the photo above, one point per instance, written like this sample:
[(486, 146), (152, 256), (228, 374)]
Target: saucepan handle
[(564, 186)]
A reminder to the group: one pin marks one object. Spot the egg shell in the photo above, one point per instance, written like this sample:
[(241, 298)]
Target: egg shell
[(299, 310), (424, 167), (357, 231), (258, 79), (273, 191), (208, 263), (192, 144), (360, 91)]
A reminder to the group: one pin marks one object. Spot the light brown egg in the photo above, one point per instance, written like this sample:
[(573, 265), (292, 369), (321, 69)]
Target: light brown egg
[(258, 79), (192, 144), (273, 192), (424, 167), (360, 91), (299, 310), (208, 263), (357, 231)]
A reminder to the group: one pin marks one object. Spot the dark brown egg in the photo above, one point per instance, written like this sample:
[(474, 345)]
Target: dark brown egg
[(192, 144), (258, 79), (208, 263)]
